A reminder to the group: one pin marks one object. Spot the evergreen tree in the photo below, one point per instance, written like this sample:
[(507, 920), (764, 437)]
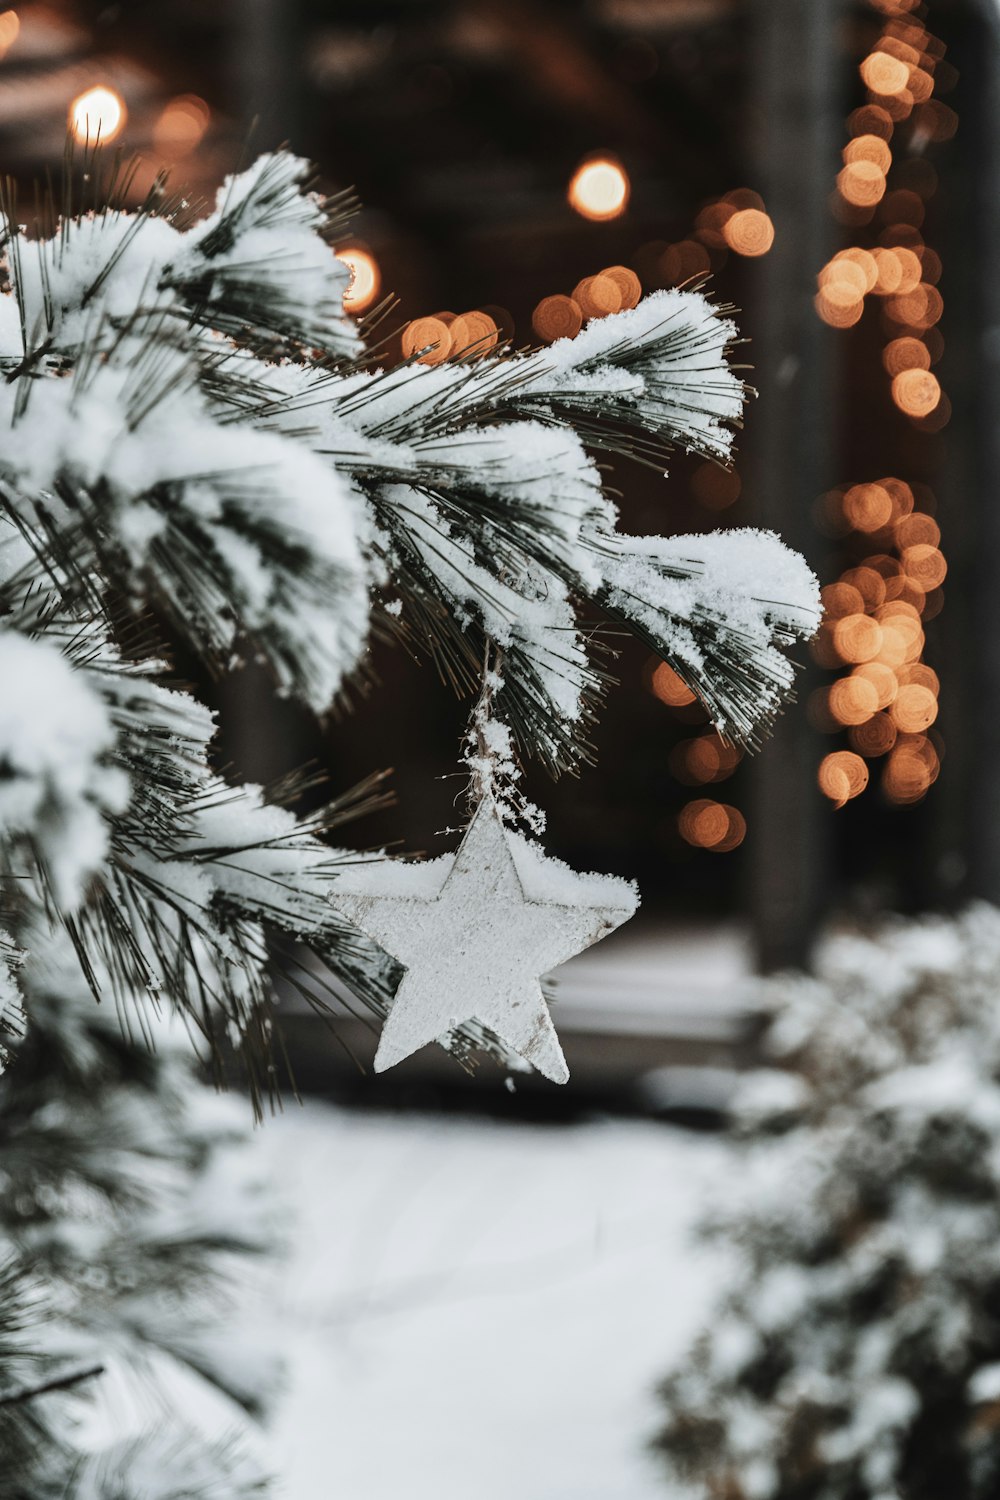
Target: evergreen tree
[(855, 1354), (200, 452)]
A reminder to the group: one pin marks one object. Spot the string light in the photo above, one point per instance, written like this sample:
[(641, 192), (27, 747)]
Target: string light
[(874, 613)]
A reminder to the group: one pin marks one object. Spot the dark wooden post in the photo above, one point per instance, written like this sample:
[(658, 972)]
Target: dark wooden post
[(797, 122)]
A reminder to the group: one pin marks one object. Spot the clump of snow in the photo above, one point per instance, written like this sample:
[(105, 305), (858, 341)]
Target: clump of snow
[(57, 788)]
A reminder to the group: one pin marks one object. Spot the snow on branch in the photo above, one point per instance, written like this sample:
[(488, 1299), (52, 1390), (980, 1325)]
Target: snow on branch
[(58, 788), (719, 608), (640, 381), (261, 261), (188, 426), (235, 532)]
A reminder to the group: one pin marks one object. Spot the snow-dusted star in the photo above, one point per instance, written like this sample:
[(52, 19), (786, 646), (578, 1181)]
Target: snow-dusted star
[(475, 947)]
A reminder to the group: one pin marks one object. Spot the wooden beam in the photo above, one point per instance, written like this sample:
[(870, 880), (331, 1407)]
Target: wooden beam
[(797, 121)]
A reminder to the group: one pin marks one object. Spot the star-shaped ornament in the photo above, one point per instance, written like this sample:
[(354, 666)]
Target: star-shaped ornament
[(475, 931)]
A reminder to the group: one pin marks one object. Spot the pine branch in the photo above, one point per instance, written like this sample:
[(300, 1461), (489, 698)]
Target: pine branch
[(46, 1387)]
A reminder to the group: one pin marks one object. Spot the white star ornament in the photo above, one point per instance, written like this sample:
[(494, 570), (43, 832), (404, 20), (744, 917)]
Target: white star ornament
[(475, 942)]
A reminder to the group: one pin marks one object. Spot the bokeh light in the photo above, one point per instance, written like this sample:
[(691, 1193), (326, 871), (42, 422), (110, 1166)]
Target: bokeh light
[(628, 284), (181, 125), (869, 148), (670, 688), (473, 333), (98, 114), (842, 775), (712, 825), (596, 296), (366, 278), (905, 353), (916, 392), (428, 340), (599, 189), (861, 183), (749, 232), (557, 317), (10, 26)]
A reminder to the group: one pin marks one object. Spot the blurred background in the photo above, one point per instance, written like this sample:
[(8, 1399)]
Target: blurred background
[(522, 166)]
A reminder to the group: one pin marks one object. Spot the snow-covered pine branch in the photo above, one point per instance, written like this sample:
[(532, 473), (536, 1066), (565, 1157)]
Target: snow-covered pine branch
[(184, 428), (195, 447), (466, 486)]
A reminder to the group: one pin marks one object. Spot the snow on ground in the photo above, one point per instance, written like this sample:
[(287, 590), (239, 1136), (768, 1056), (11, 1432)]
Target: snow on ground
[(479, 1311)]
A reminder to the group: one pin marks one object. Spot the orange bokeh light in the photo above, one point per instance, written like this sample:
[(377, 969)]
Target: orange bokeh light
[(868, 507), (869, 148), (906, 354), (670, 688), (597, 296), (98, 114), (365, 278), (841, 599), (840, 304), (890, 271), (628, 284), (10, 26), (911, 768), (869, 584), (427, 338), (707, 757), (181, 125), (557, 317), (874, 738), (599, 189), (882, 678), (857, 638), (861, 183), (916, 392), (842, 775), (712, 825), (473, 333), (749, 231), (884, 74), (852, 700), (925, 565), (914, 709), (871, 119)]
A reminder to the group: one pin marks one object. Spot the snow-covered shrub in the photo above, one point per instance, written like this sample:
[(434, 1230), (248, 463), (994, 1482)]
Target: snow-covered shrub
[(856, 1353)]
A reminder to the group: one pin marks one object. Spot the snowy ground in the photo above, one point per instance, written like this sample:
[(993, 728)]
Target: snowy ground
[(478, 1311)]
